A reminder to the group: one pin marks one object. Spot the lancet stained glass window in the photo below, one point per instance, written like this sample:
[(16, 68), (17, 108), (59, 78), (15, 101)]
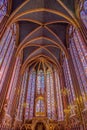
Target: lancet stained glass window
[(40, 82), (68, 81), (7, 47), (59, 98), (79, 55), (13, 84), (22, 103), (51, 110), (29, 111), (40, 99)]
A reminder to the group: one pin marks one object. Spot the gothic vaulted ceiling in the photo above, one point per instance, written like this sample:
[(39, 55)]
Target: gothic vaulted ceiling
[(42, 27)]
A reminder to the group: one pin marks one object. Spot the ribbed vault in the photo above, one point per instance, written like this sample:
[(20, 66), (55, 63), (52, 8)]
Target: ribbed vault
[(42, 28)]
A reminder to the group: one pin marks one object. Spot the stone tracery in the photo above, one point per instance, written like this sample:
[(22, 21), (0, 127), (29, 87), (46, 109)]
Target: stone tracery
[(43, 71)]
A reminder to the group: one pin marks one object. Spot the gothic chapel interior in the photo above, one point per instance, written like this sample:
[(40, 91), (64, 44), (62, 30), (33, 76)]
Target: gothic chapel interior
[(43, 64)]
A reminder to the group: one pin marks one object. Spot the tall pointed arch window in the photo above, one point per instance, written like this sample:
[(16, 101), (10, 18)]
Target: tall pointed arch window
[(40, 98), (51, 110), (3, 9), (13, 85), (29, 111), (22, 103), (60, 114), (40, 82), (79, 55), (69, 85), (83, 13), (7, 46), (68, 81)]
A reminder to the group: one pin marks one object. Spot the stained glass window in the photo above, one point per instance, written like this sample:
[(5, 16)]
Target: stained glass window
[(40, 108), (40, 99), (68, 81), (22, 103), (29, 111), (79, 55), (60, 113), (3, 9), (7, 47), (40, 82), (13, 85), (51, 109), (83, 13)]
